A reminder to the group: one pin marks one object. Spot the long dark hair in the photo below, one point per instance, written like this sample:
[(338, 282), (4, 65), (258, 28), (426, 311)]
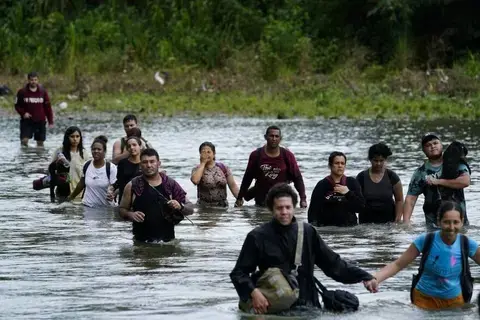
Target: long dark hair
[(66, 145)]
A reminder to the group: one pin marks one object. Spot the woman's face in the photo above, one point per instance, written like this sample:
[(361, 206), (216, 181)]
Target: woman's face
[(378, 163), (208, 153), (338, 166), (75, 138), (98, 153), (133, 147), (451, 223)]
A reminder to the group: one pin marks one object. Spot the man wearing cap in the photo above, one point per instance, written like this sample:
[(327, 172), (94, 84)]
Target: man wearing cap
[(426, 180)]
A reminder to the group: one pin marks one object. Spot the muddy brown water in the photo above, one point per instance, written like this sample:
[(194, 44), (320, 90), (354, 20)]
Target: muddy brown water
[(67, 262)]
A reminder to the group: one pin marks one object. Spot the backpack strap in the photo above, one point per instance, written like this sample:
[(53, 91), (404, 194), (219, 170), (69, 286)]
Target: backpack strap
[(299, 248), (222, 167), (467, 288), (425, 252), (108, 165), (85, 167)]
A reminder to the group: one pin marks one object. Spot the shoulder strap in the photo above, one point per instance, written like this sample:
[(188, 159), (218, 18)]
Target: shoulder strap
[(85, 167), (222, 167), (299, 249), (108, 170), (465, 253), (425, 252)]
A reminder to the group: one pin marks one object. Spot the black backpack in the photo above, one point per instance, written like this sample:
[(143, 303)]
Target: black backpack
[(466, 280)]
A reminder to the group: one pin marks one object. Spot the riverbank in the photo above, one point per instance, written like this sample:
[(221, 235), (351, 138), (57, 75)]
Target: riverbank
[(372, 93)]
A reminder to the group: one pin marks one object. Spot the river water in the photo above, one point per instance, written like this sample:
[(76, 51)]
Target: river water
[(65, 262)]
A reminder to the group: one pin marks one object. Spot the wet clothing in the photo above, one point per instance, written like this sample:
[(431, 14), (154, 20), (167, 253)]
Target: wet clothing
[(76, 165), (36, 103), (273, 245), (328, 208), (96, 185), (424, 301), (269, 171), (35, 130), (379, 197), (126, 171), (212, 188), (433, 194), (443, 267), (152, 202)]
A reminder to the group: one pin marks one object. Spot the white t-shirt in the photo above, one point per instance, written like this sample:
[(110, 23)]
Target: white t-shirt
[(96, 185)]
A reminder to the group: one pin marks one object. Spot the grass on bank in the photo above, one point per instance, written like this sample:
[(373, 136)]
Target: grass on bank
[(374, 92)]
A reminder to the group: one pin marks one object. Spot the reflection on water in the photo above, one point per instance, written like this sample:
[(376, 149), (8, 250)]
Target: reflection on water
[(66, 261)]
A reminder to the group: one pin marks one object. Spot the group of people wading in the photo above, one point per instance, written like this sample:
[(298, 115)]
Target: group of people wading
[(274, 271)]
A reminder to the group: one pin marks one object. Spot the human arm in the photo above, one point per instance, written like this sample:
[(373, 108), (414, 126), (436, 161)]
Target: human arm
[(461, 182), (79, 188), (316, 203), (408, 206), (19, 105), (125, 206), (48, 108), (297, 178), (354, 196), (197, 173), (246, 264), (232, 184), (393, 268), (415, 188), (117, 153), (334, 266), (178, 198), (398, 195), (248, 176)]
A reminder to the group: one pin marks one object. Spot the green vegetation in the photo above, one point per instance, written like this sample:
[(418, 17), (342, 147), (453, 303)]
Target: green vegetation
[(355, 58)]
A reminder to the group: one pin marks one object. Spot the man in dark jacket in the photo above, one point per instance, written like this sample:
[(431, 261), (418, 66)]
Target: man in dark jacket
[(33, 105), (273, 244)]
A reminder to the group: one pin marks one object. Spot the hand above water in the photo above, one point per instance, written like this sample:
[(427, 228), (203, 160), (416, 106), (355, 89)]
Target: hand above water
[(371, 285), (239, 203), (260, 303), (341, 189), (303, 204)]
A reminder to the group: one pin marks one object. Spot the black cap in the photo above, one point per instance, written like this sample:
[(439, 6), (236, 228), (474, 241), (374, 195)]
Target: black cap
[(429, 137)]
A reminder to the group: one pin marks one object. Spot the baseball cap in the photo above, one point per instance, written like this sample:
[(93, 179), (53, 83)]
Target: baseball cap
[(429, 137)]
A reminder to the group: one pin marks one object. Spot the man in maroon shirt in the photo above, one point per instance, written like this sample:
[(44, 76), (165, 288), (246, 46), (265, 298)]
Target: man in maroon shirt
[(269, 165), (33, 105)]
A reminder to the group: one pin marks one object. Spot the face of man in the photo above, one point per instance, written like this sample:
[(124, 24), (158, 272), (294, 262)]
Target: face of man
[(149, 165), (338, 166), (273, 138), (33, 82), (283, 210), (129, 125), (433, 149)]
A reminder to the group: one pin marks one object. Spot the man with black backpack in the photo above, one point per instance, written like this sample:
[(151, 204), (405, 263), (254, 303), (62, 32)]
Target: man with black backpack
[(269, 165)]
